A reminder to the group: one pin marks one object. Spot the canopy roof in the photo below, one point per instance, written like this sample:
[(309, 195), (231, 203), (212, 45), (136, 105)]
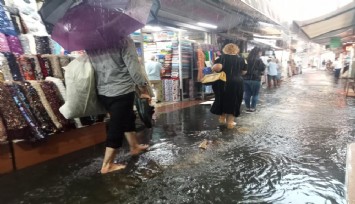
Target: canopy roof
[(340, 23)]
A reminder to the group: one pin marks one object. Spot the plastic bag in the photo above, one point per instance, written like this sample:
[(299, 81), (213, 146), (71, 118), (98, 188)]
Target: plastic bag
[(81, 96)]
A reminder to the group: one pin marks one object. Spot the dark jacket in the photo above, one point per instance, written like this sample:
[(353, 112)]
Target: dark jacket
[(256, 69)]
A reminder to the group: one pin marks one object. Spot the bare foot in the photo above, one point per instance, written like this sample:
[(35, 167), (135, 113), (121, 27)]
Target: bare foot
[(139, 149), (222, 119), (112, 168), (231, 125)]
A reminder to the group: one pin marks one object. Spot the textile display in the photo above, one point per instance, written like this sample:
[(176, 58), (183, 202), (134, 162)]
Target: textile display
[(171, 90), (9, 112), (4, 46), (14, 44), (14, 68), (6, 25), (42, 45), (25, 43), (55, 47), (45, 66), (2, 78), (55, 65), (36, 85), (27, 67), (37, 107), (36, 66), (81, 90), (55, 101), (3, 135), (22, 104), (60, 85), (200, 63), (4, 67)]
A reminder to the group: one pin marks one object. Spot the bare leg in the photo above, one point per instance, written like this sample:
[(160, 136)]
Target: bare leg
[(230, 121), (108, 165), (135, 148), (222, 118)]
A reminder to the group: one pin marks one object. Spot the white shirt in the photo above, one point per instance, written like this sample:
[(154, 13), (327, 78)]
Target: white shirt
[(153, 70), (338, 64)]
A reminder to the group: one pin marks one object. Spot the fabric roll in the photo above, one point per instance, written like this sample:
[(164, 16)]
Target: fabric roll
[(6, 25), (64, 60), (36, 65), (56, 48), (60, 85), (15, 19), (14, 68), (25, 44), (37, 86), (14, 44), (4, 67), (32, 43), (11, 115), (37, 107), (3, 135), (2, 78), (53, 96), (4, 46), (45, 66), (22, 104), (42, 45), (27, 67), (55, 66)]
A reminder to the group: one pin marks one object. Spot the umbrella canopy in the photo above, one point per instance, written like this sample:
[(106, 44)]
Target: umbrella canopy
[(96, 24), (53, 10)]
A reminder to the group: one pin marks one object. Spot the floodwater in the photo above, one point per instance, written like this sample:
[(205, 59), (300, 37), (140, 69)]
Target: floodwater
[(292, 150)]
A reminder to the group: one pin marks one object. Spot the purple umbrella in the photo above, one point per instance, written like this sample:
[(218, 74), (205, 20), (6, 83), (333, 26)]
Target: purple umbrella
[(98, 24)]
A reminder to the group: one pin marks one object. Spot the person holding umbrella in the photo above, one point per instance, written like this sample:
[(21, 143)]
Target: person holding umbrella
[(118, 72)]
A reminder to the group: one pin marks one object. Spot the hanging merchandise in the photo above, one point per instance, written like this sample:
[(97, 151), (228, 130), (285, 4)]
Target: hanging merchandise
[(27, 68), (40, 113), (36, 66), (22, 104), (55, 65), (13, 120), (14, 69), (14, 44), (6, 25), (36, 85), (3, 135), (42, 45), (4, 46), (25, 43), (186, 58), (46, 67), (55, 100), (60, 85), (4, 67)]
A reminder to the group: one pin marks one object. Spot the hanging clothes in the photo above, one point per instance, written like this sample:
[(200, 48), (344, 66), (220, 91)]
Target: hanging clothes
[(6, 25), (25, 43), (36, 65), (27, 67), (4, 46), (42, 45), (55, 65), (200, 63)]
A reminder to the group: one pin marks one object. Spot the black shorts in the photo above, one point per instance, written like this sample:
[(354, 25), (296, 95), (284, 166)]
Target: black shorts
[(122, 118)]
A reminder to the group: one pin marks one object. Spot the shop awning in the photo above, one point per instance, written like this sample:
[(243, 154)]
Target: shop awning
[(340, 23)]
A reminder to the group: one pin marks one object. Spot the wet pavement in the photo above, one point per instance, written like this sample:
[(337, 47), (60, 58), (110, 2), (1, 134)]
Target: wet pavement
[(292, 150)]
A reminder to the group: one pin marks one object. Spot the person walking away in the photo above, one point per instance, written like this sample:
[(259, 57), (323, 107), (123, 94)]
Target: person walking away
[(153, 70), (279, 73), (338, 65), (252, 79), (118, 73), (272, 73), (229, 94)]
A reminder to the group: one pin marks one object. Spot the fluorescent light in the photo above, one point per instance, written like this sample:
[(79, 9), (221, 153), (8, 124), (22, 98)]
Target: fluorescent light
[(153, 28), (206, 25)]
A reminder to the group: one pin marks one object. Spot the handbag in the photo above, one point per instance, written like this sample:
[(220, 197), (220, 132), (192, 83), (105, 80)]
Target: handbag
[(211, 78)]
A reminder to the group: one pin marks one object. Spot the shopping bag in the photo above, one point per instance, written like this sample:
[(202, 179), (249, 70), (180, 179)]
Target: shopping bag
[(211, 78), (145, 110), (81, 96)]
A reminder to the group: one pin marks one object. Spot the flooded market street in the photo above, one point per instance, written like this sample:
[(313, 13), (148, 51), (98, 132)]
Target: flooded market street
[(292, 150)]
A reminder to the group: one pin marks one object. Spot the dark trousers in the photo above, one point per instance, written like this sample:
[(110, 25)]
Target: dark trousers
[(122, 118)]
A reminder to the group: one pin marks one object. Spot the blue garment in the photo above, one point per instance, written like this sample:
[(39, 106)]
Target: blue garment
[(272, 71), (6, 25), (251, 92), (153, 70)]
